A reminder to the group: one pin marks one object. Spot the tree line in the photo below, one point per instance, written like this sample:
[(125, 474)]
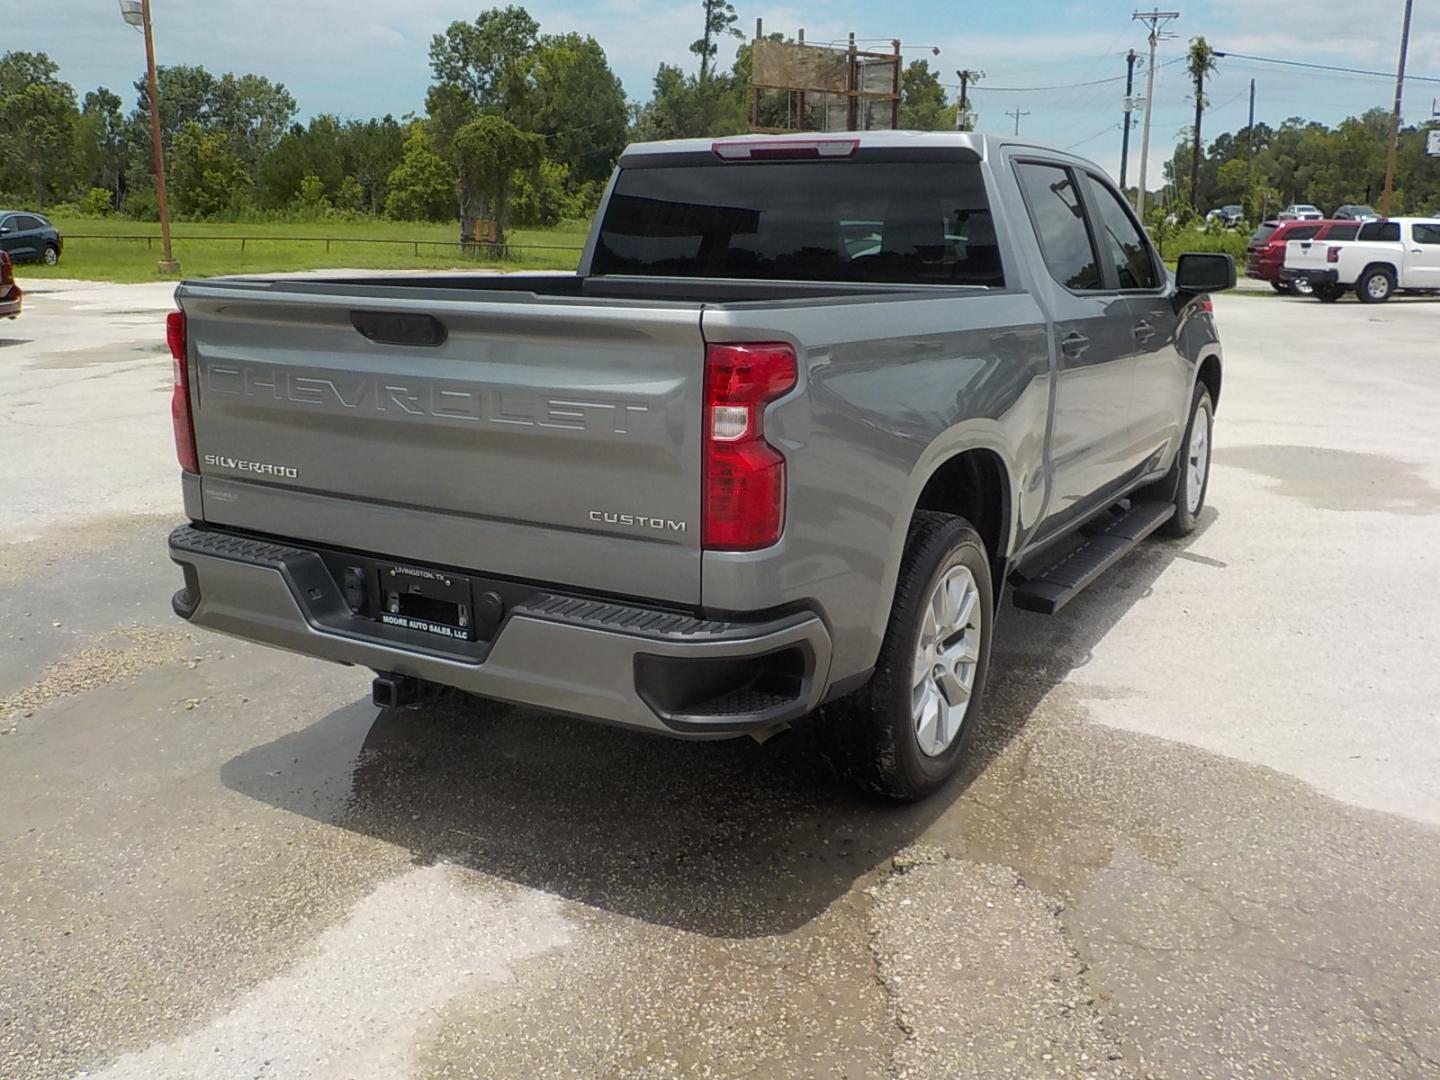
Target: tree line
[(518, 125), (1303, 161), (524, 127)]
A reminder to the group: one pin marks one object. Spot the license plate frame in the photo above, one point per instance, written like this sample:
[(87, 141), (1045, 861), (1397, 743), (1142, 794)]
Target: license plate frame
[(427, 600)]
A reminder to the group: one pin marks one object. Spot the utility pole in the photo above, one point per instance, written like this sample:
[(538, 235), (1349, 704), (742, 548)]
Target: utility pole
[(963, 121), (136, 13), (1156, 20), (1017, 114), (1389, 191), (1250, 147), (1130, 59), (1202, 62)]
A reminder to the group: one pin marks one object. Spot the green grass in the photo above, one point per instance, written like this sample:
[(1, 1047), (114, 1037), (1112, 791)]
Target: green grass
[(206, 249)]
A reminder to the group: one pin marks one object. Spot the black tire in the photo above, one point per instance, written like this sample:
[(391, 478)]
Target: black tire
[(1282, 287), (1328, 294), (870, 737), (51, 255), (1376, 285), (1179, 483)]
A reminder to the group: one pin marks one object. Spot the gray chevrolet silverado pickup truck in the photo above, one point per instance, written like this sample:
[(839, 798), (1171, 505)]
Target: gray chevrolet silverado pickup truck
[(808, 404)]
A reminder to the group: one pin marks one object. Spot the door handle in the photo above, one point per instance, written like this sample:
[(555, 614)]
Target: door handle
[(1144, 331), (1074, 345)]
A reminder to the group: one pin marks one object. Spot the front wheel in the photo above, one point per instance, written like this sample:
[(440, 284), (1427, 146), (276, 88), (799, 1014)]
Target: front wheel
[(906, 732), (1190, 475), (51, 255)]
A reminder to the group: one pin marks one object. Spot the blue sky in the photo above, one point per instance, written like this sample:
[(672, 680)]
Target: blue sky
[(368, 57)]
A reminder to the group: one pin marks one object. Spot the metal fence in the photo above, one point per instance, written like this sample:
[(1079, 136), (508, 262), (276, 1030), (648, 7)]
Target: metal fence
[(489, 247)]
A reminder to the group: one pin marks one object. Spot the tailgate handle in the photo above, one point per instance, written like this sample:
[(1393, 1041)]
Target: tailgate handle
[(399, 328)]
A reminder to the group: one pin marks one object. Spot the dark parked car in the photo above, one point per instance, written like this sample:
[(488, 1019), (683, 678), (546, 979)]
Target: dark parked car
[(24, 235), (1355, 212), (9, 292), (1265, 255)]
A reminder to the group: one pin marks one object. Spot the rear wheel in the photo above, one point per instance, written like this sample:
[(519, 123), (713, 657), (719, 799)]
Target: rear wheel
[(1328, 294), (1376, 285), (1282, 287), (51, 255), (906, 732)]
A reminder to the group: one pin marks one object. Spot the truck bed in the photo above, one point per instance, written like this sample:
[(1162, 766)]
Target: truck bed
[(539, 287)]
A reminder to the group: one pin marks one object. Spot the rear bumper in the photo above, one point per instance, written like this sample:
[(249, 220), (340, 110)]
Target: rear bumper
[(11, 302), (1261, 271), (638, 667), (1314, 277)]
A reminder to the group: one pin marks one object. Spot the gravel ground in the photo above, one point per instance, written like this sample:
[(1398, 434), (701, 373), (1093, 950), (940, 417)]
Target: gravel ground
[(125, 654)]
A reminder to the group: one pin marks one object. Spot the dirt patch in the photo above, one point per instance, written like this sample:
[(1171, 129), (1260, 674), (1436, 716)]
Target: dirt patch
[(118, 656), (58, 543), (982, 977)]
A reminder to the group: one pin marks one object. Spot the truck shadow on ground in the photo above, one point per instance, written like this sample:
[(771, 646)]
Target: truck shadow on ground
[(727, 839)]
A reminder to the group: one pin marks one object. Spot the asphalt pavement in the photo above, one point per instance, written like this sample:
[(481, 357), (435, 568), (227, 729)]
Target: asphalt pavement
[(1200, 836)]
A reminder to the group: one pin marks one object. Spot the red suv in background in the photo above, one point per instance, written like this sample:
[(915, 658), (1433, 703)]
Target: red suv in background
[(1265, 256), (9, 291)]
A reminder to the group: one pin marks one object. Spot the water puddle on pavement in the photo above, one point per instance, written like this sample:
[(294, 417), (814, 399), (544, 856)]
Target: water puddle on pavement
[(101, 354), (1338, 479), (359, 1001)]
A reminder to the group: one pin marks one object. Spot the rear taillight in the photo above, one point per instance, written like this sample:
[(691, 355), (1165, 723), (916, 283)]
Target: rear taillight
[(180, 398), (1332, 255), (744, 486), (7, 272)]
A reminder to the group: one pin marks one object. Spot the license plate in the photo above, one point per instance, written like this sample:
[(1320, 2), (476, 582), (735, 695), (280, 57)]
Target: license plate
[(431, 601)]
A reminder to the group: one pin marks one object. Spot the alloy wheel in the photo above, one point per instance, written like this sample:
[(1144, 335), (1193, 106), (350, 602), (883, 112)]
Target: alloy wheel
[(947, 659)]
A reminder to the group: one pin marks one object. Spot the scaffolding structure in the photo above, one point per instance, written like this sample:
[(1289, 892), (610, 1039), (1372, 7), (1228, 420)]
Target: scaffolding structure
[(800, 87)]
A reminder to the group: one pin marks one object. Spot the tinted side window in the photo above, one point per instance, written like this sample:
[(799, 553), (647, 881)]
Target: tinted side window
[(1123, 243), (1343, 232), (1263, 233), (1304, 232), (1059, 220), (1427, 234), (1387, 231), (24, 223)]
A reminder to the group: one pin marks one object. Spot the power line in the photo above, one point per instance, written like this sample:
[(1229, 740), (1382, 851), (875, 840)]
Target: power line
[(1106, 130), (1326, 67), (1069, 86)]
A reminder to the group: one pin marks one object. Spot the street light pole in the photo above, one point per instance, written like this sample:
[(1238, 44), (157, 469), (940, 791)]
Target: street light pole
[(141, 17)]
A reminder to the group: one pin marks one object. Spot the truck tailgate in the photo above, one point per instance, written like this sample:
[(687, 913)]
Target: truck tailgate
[(549, 440), (1308, 254)]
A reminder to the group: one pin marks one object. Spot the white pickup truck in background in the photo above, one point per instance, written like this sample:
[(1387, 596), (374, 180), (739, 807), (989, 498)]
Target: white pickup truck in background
[(1395, 255)]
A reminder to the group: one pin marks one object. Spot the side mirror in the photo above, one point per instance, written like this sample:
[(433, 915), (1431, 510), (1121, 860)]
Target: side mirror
[(1204, 272)]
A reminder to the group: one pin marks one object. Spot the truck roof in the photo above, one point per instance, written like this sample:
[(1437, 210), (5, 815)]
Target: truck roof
[(982, 144)]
